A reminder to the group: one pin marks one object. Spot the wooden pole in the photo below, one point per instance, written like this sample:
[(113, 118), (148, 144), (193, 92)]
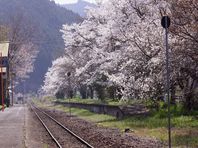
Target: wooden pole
[(2, 95)]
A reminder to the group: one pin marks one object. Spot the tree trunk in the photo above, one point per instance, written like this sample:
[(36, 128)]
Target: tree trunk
[(83, 91), (91, 92), (100, 91), (188, 104)]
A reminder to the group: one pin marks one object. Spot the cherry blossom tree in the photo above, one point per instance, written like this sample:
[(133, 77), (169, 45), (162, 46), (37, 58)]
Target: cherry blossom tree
[(120, 45), (184, 28), (117, 47), (22, 62), (130, 39), (56, 79), (22, 48)]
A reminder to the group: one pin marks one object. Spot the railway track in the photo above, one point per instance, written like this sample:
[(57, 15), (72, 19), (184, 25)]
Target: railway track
[(61, 135)]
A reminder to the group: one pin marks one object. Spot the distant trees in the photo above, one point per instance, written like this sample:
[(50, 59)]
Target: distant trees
[(3, 33), (22, 61), (21, 54), (120, 45), (23, 51)]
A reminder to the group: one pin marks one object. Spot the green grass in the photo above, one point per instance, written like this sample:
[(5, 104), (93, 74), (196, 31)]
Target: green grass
[(184, 124), (96, 101), (85, 101), (149, 126)]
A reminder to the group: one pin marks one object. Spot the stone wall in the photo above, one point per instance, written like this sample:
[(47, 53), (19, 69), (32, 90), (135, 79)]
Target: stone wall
[(97, 108)]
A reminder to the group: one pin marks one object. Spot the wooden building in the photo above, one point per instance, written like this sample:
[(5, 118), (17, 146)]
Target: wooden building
[(4, 73)]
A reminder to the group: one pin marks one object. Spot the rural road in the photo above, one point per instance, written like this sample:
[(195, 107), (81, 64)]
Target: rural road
[(12, 122)]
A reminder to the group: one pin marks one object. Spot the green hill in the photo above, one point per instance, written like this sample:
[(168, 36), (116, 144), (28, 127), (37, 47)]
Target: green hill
[(47, 19)]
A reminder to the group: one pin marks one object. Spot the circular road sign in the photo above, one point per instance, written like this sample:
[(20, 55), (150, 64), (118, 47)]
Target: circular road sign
[(68, 74), (163, 21)]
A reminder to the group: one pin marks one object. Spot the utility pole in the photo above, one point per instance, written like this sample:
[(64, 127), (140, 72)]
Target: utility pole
[(165, 22), (2, 93)]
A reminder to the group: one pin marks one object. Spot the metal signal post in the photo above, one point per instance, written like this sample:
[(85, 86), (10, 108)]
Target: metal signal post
[(12, 88), (69, 92), (165, 22)]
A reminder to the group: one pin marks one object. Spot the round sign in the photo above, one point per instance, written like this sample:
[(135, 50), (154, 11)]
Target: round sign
[(68, 74), (165, 22)]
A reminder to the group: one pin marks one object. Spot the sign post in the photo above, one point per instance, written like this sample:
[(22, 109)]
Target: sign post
[(165, 22), (12, 87), (69, 83)]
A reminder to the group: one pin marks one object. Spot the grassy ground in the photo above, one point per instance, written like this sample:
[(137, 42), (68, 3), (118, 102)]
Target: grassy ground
[(184, 127)]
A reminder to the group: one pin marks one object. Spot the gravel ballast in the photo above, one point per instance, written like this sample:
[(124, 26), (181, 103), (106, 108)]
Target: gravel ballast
[(102, 137)]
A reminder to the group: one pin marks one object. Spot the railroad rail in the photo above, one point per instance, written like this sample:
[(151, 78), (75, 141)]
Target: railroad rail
[(64, 129)]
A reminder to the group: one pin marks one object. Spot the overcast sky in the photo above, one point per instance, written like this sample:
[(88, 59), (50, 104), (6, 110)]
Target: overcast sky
[(71, 1)]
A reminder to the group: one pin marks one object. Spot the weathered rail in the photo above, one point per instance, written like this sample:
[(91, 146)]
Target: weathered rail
[(63, 128)]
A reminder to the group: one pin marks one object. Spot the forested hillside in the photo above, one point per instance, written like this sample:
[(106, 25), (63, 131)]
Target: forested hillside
[(40, 22), (79, 7)]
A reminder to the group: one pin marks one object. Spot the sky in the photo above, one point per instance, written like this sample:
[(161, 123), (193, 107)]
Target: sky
[(71, 1)]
